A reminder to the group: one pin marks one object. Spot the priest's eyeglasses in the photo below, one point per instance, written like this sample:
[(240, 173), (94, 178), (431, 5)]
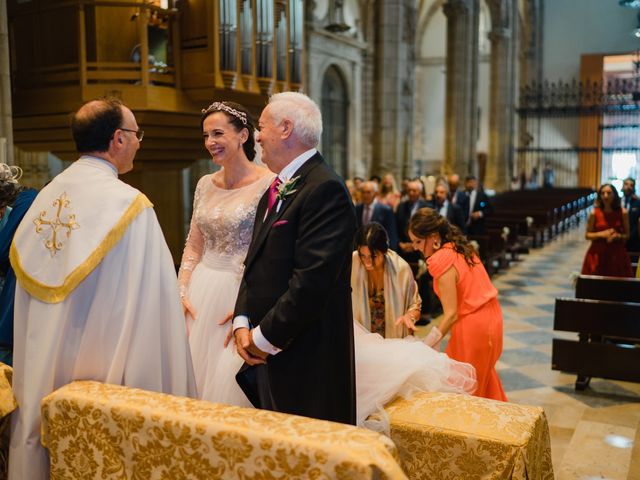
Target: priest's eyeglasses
[(139, 133)]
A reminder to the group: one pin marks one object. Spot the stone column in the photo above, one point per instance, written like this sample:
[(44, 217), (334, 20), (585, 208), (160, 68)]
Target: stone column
[(6, 122), (502, 94), (461, 85), (394, 85)]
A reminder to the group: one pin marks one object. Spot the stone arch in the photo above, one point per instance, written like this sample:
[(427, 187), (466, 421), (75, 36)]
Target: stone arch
[(334, 104)]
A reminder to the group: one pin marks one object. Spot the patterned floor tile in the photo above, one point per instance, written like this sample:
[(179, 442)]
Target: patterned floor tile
[(601, 393), (524, 356), (536, 337), (513, 380)]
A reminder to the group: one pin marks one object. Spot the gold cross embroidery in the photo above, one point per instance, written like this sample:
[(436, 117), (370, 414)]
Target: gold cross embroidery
[(56, 224)]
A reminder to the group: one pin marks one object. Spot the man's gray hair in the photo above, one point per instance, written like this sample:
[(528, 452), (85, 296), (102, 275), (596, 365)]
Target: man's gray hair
[(303, 113)]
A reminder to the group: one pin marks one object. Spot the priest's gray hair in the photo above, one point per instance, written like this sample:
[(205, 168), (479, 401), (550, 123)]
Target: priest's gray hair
[(302, 112)]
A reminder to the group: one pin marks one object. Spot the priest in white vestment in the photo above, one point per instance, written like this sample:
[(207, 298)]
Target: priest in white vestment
[(96, 295)]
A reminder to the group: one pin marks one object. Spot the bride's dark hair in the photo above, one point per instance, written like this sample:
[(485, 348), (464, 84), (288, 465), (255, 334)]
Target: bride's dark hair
[(240, 118), (427, 221)]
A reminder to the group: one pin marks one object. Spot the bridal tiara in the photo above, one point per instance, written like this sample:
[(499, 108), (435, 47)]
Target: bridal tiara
[(217, 106)]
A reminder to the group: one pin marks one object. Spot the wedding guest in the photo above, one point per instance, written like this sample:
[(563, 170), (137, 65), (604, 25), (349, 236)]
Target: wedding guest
[(475, 206), (608, 231), (470, 302), (371, 210), (441, 204), (631, 204), (11, 193), (384, 293), (388, 193)]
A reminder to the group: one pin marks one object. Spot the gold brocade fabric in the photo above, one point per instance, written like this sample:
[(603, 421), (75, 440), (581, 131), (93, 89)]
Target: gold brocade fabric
[(7, 405), (7, 400), (95, 430), (449, 436)]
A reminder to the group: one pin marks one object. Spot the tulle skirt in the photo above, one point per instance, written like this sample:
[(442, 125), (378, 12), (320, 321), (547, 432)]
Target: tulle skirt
[(212, 292), (385, 368)]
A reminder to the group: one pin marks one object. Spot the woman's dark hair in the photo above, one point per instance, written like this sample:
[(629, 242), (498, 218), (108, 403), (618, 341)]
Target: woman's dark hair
[(9, 186), (239, 117), (374, 236), (427, 221), (616, 204), (93, 126)]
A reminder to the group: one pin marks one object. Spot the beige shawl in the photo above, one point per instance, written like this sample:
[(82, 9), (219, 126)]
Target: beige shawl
[(400, 293)]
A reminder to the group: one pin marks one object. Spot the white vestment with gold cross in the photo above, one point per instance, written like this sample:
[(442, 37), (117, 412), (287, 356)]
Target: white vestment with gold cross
[(96, 299)]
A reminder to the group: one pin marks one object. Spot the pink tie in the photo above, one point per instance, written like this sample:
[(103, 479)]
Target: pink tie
[(273, 193)]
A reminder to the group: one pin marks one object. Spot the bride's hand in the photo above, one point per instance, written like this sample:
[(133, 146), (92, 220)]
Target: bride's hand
[(230, 332), (407, 321), (187, 308)]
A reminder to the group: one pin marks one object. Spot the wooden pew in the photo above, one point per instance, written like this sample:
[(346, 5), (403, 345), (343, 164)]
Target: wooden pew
[(614, 289), (593, 355)]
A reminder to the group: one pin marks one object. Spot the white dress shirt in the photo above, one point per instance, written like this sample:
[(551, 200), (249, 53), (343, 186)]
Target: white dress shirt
[(242, 321)]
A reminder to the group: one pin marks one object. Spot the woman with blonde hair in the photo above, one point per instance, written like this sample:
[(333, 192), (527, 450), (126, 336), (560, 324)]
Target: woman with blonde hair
[(470, 302), (388, 193)]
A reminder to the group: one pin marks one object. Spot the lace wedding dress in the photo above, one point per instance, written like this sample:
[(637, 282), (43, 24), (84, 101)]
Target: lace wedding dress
[(210, 274)]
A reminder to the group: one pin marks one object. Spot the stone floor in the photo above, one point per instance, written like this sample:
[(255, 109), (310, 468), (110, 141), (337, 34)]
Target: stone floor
[(594, 433)]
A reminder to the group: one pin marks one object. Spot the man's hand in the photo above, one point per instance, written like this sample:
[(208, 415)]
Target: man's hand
[(406, 246), (476, 215), (247, 349)]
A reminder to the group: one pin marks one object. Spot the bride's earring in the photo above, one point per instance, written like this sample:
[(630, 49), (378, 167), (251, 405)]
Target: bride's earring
[(436, 244)]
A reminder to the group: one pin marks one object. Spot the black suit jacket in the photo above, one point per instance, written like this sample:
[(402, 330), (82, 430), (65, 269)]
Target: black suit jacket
[(383, 214), (403, 215), (482, 204), (297, 287), (455, 215), (633, 244)]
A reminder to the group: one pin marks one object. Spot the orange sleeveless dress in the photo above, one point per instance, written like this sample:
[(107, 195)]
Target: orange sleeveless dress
[(476, 337)]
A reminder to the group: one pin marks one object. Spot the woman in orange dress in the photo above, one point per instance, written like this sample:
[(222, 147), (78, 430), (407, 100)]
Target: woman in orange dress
[(469, 299)]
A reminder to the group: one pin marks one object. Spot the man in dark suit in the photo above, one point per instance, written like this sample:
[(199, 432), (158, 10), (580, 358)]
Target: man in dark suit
[(442, 205), (631, 203), (475, 205), (370, 210), (293, 323), (404, 212)]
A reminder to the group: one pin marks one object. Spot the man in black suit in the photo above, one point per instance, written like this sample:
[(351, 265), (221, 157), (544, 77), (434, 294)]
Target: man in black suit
[(370, 210), (442, 205), (631, 203), (475, 205), (293, 322), (404, 212)]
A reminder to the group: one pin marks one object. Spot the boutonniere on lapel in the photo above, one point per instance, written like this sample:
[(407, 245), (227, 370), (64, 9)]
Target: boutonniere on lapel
[(287, 188)]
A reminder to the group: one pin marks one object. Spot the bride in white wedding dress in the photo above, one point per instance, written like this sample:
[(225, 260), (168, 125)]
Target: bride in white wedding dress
[(221, 228)]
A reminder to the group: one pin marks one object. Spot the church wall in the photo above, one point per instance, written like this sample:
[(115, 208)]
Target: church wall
[(429, 125), (573, 27), (326, 51), (429, 116)]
